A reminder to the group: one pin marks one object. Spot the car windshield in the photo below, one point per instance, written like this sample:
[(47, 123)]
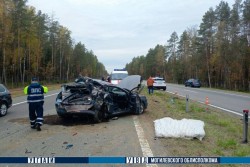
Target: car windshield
[(118, 76), (2, 89)]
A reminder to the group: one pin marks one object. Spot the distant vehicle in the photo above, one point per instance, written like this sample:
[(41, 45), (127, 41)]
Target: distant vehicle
[(5, 100), (159, 83), (193, 83), (117, 75)]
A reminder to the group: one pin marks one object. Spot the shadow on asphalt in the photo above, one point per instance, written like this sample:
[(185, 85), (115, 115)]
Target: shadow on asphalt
[(56, 120), (68, 121)]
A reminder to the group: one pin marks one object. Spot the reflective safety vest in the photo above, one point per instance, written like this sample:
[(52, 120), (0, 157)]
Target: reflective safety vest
[(35, 92)]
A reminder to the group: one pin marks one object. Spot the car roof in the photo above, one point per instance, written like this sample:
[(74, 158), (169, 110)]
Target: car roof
[(192, 79), (158, 78)]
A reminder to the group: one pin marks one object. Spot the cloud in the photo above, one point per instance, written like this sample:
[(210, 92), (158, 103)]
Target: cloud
[(118, 30)]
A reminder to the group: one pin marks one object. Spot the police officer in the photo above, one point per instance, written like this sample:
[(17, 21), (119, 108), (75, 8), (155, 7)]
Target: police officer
[(35, 99)]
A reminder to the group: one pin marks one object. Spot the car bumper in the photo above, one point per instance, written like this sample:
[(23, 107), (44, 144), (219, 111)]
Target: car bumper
[(74, 109), (160, 87)]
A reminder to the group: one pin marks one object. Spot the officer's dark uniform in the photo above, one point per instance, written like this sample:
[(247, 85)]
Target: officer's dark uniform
[(35, 99)]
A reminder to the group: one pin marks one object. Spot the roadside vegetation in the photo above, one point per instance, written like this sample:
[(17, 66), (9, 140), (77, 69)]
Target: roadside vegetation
[(15, 92), (34, 43), (224, 131), (216, 52)]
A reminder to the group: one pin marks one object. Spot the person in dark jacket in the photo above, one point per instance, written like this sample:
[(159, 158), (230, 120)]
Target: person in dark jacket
[(35, 99)]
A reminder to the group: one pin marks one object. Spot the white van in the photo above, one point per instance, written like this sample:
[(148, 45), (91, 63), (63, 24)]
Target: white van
[(117, 75)]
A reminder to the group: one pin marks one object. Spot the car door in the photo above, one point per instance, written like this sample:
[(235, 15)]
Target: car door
[(119, 98)]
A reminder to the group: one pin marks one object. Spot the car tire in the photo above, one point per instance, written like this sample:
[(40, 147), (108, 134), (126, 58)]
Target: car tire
[(3, 109), (99, 116), (141, 110), (164, 89)]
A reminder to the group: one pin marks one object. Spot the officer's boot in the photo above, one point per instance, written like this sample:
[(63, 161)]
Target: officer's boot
[(38, 128)]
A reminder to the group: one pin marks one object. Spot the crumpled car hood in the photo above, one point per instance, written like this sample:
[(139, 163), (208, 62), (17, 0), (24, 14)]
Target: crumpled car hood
[(130, 82)]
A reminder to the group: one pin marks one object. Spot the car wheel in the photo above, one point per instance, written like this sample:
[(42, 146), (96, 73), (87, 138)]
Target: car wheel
[(3, 109), (141, 109), (99, 116), (164, 89)]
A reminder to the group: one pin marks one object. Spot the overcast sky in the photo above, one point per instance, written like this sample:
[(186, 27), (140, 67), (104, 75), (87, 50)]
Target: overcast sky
[(118, 30)]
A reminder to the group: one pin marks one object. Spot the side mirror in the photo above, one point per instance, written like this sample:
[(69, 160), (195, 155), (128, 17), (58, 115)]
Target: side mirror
[(138, 86)]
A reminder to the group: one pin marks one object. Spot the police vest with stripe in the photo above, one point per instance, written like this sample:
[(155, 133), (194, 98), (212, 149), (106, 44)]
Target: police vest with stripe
[(35, 93)]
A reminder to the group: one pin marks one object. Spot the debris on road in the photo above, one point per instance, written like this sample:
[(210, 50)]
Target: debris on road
[(69, 146), (27, 152), (114, 118)]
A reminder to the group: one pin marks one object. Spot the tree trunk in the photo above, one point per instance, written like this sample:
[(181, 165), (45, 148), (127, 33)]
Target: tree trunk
[(208, 69), (4, 69), (23, 75)]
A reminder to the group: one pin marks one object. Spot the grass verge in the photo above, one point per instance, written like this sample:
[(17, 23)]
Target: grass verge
[(224, 131)]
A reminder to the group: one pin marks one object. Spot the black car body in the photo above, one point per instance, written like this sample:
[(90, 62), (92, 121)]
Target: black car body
[(5, 100), (101, 99), (193, 83)]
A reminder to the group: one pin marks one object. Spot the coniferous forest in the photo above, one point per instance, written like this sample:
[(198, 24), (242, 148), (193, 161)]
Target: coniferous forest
[(35, 44), (217, 51)]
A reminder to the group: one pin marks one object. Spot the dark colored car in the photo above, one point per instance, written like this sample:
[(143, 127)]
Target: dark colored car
[(5, 100), (101, 99), (193, 83)]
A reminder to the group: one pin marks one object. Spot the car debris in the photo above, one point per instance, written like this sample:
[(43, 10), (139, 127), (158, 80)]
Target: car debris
[(27, 151), (101, 99), (69, 146)]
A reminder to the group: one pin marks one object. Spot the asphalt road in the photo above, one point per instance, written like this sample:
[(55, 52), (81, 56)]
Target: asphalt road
[(226, 100), (128, 135), (78, 137)]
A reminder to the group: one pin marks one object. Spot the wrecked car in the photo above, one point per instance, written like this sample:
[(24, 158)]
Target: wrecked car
[(101, 99)]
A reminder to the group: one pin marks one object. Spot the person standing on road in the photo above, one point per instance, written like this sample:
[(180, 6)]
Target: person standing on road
[(108, 79), (35, 99), (150, 83)]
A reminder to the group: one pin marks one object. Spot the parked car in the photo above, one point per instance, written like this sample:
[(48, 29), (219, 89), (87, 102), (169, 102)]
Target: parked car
[(159, 83), (193, 83), (101, 99), (5, 100)]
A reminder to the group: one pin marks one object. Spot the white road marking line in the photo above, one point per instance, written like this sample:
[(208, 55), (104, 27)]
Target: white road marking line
[(146, 151), (227, 93), (26, 101), (224, 109), (231, 94)]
